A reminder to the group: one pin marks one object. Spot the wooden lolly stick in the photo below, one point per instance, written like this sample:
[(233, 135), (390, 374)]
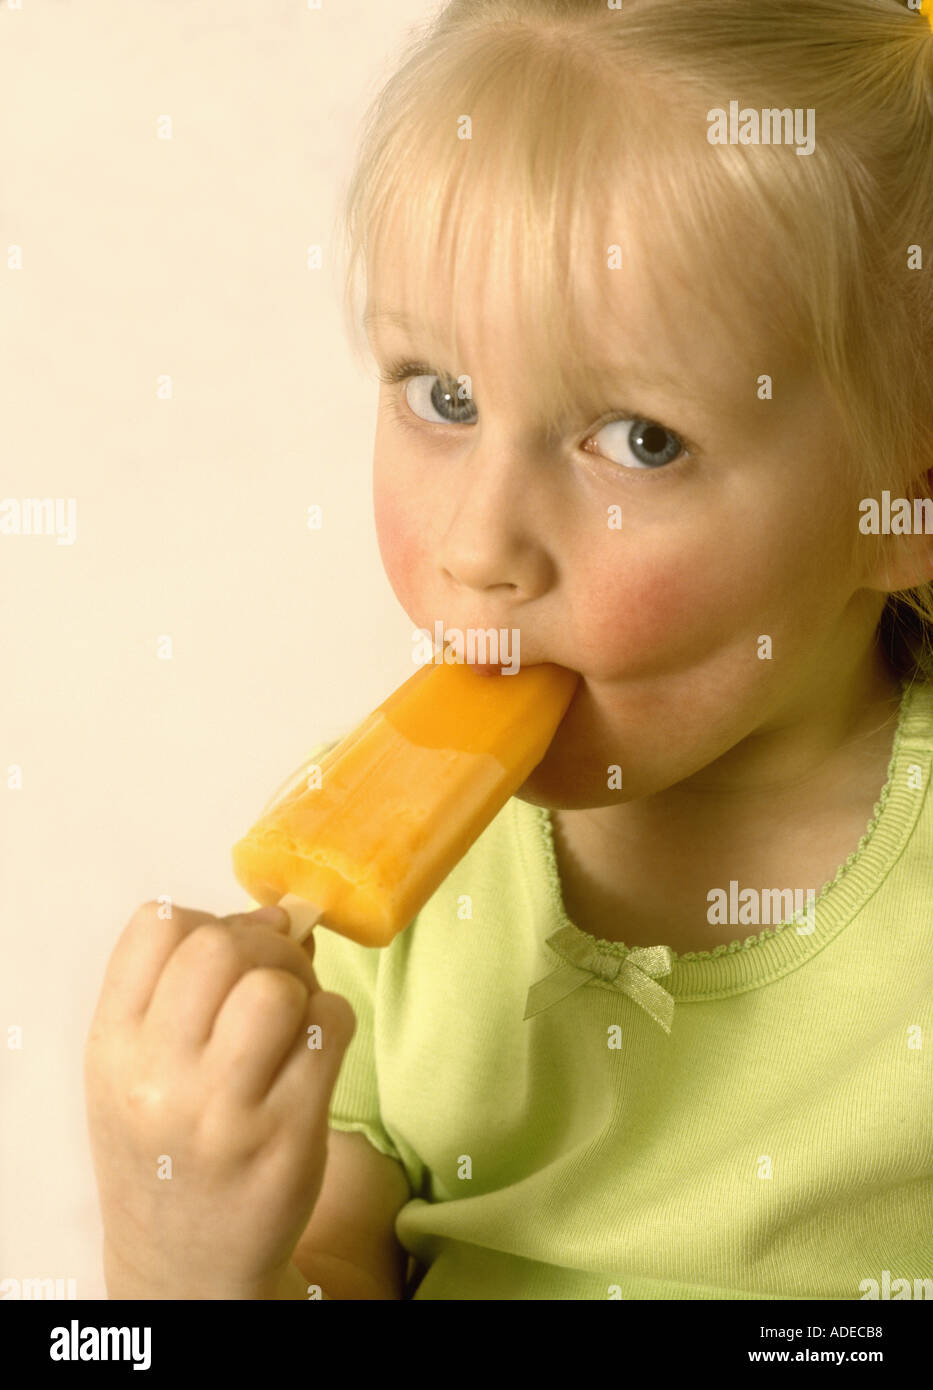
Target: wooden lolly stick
[(304, 916)]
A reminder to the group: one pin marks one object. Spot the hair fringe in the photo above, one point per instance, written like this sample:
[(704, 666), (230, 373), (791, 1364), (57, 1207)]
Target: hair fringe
[(850, 211)]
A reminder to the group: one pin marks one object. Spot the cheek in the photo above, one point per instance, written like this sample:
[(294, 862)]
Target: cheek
[(662, 609), (399, 538)]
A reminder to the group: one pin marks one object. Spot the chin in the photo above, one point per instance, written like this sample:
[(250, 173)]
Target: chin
[(557, 795), (556, 781), (557, 785)]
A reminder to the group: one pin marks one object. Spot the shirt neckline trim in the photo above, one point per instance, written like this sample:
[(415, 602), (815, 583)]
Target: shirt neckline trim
[(774, 951)]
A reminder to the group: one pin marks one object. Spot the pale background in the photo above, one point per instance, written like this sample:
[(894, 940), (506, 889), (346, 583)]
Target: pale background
[(187, 257)]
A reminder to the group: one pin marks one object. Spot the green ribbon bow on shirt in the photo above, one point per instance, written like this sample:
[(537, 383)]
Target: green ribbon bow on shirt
[(635, 974)]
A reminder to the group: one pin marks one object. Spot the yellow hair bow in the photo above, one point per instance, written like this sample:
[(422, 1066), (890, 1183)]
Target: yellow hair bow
[(927, 9)]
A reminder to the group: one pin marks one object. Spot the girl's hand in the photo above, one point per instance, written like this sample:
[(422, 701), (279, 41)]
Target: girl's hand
[(207, 1102)]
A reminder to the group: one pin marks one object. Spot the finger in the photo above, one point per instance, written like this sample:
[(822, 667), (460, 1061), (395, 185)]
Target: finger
[(254, 1032), (298, 921), (204, 969), (303, 916), (139, 957), (299, 1094)]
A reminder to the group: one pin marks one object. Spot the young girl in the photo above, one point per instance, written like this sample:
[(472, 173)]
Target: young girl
[(648, 289)]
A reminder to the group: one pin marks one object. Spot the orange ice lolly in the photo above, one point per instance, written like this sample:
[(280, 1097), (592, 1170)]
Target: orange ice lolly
[(402, 798)]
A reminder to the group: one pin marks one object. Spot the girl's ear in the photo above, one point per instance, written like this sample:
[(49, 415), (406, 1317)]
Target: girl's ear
[(905, 559)]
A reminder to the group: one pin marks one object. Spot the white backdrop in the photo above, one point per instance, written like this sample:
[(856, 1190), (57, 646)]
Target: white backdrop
[(127, 261)]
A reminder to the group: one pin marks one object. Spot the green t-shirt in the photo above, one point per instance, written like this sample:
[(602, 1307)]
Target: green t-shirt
[(752, 1123)]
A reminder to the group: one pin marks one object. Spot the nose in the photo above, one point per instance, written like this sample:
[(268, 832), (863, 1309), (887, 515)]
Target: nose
[(496, 540)]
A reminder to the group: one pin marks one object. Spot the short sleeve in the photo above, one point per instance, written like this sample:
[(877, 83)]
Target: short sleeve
[(347, 968)]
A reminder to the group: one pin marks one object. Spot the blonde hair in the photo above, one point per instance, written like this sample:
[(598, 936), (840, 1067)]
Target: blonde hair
[(567, 98)]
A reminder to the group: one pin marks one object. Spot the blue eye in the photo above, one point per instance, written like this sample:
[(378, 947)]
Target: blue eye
[(447, 398), (652, 445), (442, 399)]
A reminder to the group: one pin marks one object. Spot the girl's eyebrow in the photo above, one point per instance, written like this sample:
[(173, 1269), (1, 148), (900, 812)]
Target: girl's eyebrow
[(610, 374)]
